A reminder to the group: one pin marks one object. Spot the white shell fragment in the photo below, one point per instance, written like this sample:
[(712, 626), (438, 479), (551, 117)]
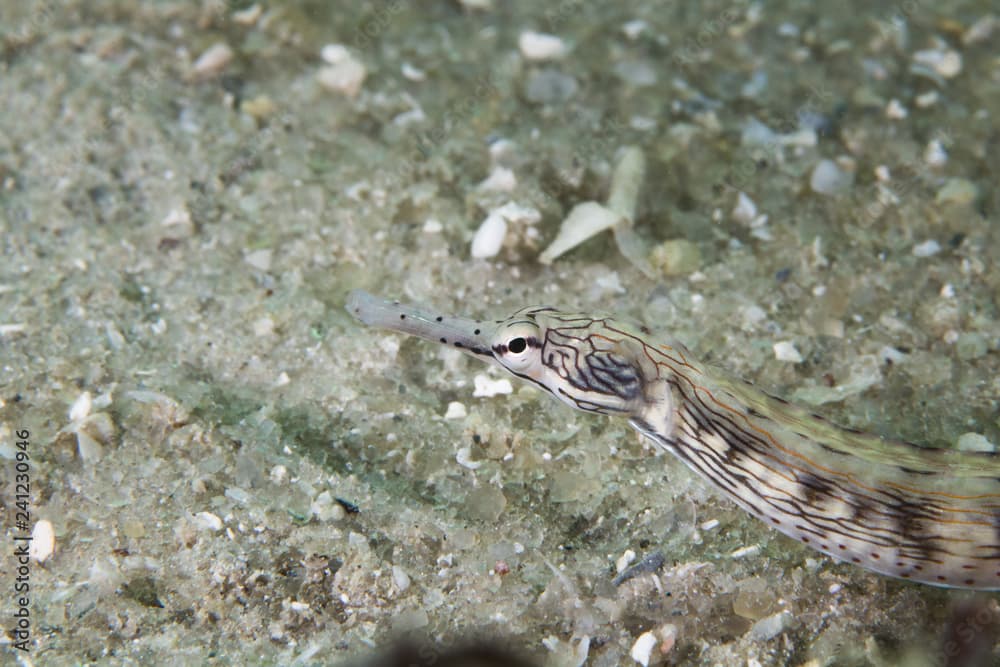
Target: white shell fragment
[(584, 221), (981, 30), (629, 174), (208, 521), (486, 387), (935, 155), (829, 179), (43, 541), (746, 552), (624, 561), (334, 54), (626, 181), (464, 458), (501, 179), (541, 46), (213, 60), (248, 16), (928, 248), (81, 407), (745, 210), (590, 218), (89, 449), (92, 429), (895, 110), (975, 442), (944, 62), (642, 649), (490, 236), (259, 259), (400, 578), (455, 410), (786, 351), (770, 627), (344, 74)]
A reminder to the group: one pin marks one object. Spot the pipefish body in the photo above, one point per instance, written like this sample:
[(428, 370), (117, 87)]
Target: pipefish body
[(896, 508)]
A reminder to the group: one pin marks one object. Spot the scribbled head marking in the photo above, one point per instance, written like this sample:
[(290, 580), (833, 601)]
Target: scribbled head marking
[(575, 357)]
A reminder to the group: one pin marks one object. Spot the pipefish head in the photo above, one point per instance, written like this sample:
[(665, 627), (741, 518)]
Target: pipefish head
[(591, 363), (587, 362)]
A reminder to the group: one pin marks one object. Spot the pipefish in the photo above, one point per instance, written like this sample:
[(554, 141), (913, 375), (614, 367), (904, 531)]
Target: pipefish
[(892, 507)]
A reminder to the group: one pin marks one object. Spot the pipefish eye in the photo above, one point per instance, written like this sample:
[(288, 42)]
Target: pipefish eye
[(518, 346)]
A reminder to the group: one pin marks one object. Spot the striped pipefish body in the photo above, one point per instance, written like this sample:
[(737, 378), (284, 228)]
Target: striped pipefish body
[(899, 509)]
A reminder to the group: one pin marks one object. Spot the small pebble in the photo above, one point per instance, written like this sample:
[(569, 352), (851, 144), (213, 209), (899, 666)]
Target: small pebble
[(248, 16), (334, 54), (676, 257), (958, 191), (213, 60), (946, 63), (754, 602), (637, 73), (971, 345), (259, 108), (926, 249), (412, 72), (263, 326), (634, 28), (786, 351), (501, 179), (133, 529), (975, 442), (829, 179), (935, 154), (345, 74), (325, 508), (278, 474), (928, 99), (895, 110), (770, 627), (756, 133), (541, 46), (668, 637), (549, 86)]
